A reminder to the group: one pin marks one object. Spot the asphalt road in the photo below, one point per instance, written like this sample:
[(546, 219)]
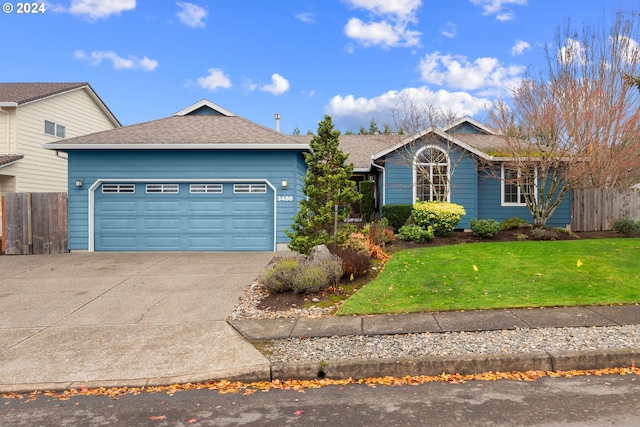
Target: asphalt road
[(584, 401)]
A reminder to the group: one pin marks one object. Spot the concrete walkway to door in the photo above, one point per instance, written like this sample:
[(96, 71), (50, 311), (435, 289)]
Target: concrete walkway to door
[(100, 319)]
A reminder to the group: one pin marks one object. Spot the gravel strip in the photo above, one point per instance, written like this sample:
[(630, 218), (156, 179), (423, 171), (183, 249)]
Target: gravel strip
[(452, 343), (427, 344)]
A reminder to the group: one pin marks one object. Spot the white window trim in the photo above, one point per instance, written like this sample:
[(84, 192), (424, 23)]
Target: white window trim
[(163, 188), (251, 188), (502, 183), (206, 188), (56, 127), (415, 171), (119, 188)]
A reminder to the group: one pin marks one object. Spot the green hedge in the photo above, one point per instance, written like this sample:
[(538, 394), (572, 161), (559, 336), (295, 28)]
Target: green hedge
[(397, 215), (368, 201)]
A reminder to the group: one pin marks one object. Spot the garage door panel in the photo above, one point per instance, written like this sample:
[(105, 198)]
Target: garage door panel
[(115, 243), (183, 221), (248, 242), (161, 243), (156, 225), (207, 243), (124, 225), (206, 207), (161, 207), (119, 207), (206, 224), (250, 224)]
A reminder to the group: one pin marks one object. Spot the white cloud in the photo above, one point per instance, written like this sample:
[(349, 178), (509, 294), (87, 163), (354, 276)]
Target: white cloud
[(381, 33), (306, 17), (350, 112), (96, 9), (485, 75), (630, 49), (216, 79), (572, 52), (449, 30), (391, 27), (404, 9), (496, 7), (119, 63), (278, 86), (192, 15), (519, 47)]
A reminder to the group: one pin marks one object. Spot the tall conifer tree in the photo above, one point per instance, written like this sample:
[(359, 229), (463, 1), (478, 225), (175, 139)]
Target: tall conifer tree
[(327, 184)]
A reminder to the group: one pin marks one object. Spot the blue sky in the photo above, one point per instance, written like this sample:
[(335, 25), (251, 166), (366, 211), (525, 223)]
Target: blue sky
[(352, 59)]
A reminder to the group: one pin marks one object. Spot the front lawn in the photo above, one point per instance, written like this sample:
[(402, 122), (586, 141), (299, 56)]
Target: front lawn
[(504, 275)]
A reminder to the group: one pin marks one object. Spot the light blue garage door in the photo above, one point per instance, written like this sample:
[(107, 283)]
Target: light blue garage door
[(184, 217)]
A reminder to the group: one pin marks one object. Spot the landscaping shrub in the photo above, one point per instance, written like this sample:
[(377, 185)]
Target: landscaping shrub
[(379, 231), (512, 223), (312, 278), (357, 242), (368, 201), (353, 262), (415, 233), (442, 216), (397, 215), (543, 234), (302, 276), (626, 226), (485, 228), (279, 278)]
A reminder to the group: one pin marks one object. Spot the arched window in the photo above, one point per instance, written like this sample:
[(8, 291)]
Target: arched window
[(431, 174)]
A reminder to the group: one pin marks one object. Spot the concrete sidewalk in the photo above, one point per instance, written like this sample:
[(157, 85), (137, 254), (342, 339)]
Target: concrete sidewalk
[(468, 321)]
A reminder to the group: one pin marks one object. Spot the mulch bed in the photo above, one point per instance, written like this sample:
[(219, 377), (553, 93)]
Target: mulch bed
[(286, 300)]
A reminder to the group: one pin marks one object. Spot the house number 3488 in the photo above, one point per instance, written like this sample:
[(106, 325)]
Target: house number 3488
[(285, 198)]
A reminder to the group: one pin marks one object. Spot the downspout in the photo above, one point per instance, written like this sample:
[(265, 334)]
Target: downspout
[(6, 113), (8, 133)]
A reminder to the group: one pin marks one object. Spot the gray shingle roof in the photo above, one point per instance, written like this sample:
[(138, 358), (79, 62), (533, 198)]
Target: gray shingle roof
[(22, 93), (9, 158), (361, 147), (489, 144), (190, 129)]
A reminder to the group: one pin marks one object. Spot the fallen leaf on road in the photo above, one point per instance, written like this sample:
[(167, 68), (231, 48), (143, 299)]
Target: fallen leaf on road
[(157, 417)]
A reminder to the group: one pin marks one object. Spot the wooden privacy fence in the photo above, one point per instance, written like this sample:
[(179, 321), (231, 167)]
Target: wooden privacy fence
[(34, 223), (595, 209)]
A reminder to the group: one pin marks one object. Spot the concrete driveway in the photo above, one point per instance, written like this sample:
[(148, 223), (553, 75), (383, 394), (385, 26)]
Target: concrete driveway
[(101, 319)]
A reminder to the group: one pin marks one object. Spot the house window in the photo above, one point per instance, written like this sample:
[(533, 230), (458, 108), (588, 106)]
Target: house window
[(431, 174), (205, 188), (55, 129), (162, 188), (516, 183), (250, 188), (118, 188)]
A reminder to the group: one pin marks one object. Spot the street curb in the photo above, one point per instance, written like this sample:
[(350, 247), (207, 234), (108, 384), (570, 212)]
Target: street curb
[(436, 365)]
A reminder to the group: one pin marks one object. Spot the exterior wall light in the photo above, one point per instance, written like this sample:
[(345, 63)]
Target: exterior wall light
[(284, 183), (79, 183)]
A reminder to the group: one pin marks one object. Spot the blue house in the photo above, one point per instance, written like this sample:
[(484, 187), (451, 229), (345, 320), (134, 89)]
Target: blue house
[(450, 164), (203, 179), (206, 179)]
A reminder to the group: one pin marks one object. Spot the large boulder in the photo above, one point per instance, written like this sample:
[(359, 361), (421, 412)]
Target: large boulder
[(320, 253)]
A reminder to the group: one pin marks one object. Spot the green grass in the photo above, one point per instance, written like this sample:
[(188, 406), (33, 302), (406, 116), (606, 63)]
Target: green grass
[(509, 275)]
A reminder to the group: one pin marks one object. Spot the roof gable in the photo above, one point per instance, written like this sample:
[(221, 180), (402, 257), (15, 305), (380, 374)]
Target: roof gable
[(205, 107), (24, 93), (468, 125)]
